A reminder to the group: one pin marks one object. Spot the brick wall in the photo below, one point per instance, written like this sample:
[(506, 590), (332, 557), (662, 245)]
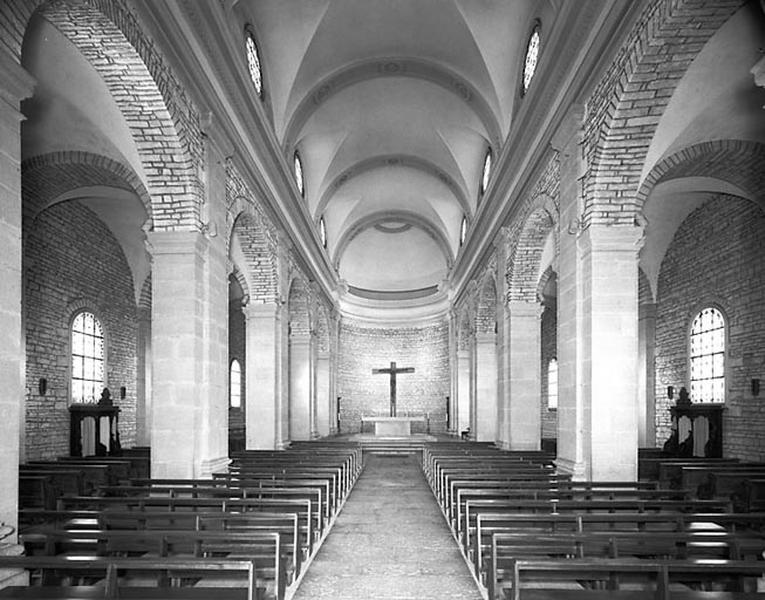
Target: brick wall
[(72, 260), (424, 391), (549, 337), (717, 256)]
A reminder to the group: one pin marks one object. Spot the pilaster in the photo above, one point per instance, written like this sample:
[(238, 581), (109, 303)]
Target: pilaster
[(17, 85), (522, 404), (486, 387), (263, 386)]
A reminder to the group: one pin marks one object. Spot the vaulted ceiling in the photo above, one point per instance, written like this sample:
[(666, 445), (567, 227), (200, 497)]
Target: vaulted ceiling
[(393, 107)]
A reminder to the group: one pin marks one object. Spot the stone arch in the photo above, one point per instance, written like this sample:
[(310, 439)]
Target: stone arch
[(241, 279), (617, 131), (548, 274), (323, 338), (299, 306), (47, 177), (645, 292), (145, 297), (260, 265), (465, 329), (147, 92), (526, 254), (735, 161)]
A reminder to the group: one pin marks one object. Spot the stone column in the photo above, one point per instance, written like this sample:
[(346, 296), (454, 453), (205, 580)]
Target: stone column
[(486, 387), (609, 358), (324, 415), (262, 384), (186, 411), (646, 375), (523, 420), (301, 405), (17, 85), (464, 377)]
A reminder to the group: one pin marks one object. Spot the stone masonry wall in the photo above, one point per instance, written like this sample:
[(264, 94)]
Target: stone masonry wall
[(424, 391), (716, 257), (72, 261)]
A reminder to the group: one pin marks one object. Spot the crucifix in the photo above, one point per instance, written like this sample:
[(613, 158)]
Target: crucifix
[(392, 371)]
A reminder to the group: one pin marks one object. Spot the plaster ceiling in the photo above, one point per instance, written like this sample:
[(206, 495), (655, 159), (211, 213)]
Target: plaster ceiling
[(392, 106)]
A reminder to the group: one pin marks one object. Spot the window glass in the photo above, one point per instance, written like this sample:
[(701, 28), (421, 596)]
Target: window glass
[(707, 356), (87, 358)]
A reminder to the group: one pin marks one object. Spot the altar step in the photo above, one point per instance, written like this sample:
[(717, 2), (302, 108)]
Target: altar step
[(396, 446)]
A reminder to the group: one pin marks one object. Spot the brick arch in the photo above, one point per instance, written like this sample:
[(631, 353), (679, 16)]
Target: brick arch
[(299, 306), (619, 123), (241, 279), (486, 308), (261, 267), (170, 147), (739, 162), (46, 177), (526, 253), (548, 274)]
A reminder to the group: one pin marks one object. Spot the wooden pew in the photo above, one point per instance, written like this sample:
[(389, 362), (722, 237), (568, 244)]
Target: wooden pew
[(37, 491), (51, 572), (658, 577), (265, 549)]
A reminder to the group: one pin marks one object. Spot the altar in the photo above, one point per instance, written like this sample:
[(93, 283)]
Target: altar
[(393, 426)]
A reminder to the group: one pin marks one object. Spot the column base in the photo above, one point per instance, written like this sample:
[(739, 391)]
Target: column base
[(213, 465), (577, 470)]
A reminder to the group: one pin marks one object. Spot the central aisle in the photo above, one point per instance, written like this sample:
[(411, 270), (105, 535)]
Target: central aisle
[(390, 541)]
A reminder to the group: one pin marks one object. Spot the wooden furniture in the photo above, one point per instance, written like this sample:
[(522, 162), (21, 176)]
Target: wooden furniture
[(703, 422), (105, 438)]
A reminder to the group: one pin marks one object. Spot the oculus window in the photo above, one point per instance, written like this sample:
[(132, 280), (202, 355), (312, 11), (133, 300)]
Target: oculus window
[(707, 356), (323, 231), (486, 175), (530, 58), (463, 230), (253, 60), (298, 169), (87, 358)]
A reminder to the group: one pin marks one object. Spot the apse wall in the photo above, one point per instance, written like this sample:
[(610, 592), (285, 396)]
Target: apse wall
[(364, 348), (716, 257), (73, 261)]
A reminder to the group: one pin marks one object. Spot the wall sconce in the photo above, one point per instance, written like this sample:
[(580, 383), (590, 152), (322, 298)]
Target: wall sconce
[(755, 387), (123, 392), (670, 391), (42, 386)]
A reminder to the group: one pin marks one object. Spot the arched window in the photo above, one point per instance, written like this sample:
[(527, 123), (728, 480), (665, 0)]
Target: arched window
[(486, 175), (235, 385), (707, 356), (463, 230), (298, 166), (552, 384), (530, 58), (323, 231), (253, 60), (87, 358)]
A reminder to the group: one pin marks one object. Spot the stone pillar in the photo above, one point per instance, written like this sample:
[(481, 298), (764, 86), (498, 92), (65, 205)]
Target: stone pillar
[(523, 420), (571, 455), (16, 86), (187, 412), (486, 387), (262, 383), (324, 414), (609, 365), (646, 375), (143, 379), (300, 398), (464, 377)]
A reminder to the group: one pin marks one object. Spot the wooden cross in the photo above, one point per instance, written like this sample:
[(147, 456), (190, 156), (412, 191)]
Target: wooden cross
[(392, 371)]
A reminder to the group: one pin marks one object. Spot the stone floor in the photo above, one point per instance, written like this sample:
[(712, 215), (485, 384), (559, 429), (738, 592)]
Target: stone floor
[(390, 542)]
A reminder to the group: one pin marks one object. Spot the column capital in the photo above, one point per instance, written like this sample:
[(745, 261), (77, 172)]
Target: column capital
[(175, 242), (525, 309), (605, 238), (17, 83), (261, 311)]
